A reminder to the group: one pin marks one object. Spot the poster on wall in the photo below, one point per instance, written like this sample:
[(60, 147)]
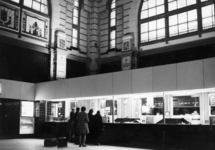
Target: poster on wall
[(35, 25), (9, 17), (27, 109)]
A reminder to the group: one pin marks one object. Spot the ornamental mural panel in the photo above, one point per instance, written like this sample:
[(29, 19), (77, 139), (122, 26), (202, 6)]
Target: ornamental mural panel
[(9, 17), (35, 25)]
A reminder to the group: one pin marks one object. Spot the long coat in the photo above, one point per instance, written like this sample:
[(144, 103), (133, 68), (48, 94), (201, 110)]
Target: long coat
[(82, 125)]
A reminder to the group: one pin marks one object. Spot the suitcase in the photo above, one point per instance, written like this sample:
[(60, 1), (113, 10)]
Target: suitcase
[(62, 142), (50, 142)]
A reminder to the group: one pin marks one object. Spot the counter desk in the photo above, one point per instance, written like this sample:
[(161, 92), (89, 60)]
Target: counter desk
[(148, 135)]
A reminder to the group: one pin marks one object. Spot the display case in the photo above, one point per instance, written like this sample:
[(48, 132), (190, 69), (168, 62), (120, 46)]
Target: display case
[(26, 125), (27, 117)]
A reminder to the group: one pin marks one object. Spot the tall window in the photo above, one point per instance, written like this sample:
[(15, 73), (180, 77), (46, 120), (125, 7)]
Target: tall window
[(38, 5), (112, 21), (75, 21), (165, 19)]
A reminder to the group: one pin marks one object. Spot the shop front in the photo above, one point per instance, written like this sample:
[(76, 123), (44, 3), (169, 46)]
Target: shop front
[(195, 107)]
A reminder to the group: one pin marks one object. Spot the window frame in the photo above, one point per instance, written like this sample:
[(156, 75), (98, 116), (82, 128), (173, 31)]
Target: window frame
[(198, 6), (76, 26), (36, 11), (112, 28)]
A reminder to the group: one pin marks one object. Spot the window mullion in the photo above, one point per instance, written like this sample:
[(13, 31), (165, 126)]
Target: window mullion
[(166, 21), (199, 19)]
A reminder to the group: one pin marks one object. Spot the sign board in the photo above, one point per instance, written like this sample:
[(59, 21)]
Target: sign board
[(126, 45), (61, 66), (126, 63)]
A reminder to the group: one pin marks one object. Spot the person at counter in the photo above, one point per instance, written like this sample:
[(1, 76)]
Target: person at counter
[(75, 119), (71, 124), (82, 126), (98, 125), (91, 124)]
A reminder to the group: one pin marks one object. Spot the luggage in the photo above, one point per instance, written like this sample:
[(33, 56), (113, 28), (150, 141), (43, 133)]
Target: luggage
[(62, 142), (50, 142)]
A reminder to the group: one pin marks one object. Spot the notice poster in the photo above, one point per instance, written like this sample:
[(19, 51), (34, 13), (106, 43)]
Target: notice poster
[(27, 109)]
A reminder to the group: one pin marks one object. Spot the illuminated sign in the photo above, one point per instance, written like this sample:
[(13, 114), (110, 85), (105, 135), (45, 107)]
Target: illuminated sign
[(0, 88)]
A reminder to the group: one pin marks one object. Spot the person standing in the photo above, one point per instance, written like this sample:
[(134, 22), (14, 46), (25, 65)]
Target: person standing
[(82, 126), (71, 124), (75, 119), (98, 127), (91, 125)]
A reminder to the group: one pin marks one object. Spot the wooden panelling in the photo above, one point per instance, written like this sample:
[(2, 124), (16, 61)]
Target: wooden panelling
[(12, 89), (74, 88), (142, 80), (209, 72), (27, 91), (44, 91), (60, 89), (88, 86), (190, 75), (122, 82), (104, 84), (164, 78)]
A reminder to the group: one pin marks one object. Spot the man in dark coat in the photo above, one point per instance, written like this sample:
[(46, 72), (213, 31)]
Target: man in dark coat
[(98, 127)]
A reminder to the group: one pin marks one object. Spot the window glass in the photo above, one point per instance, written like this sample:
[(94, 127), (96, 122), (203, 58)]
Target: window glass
[(177, 4), (182, 23), (153, 30), (152, 8), (113, 4), (28, 3), (183, 105), (38, 5), (112, 30), (208, 16), (75, 37), (182, 19), (75, 21), (113, 37)]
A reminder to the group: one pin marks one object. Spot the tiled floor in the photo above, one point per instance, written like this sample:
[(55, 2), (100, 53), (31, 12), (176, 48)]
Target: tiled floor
[(37, 144)]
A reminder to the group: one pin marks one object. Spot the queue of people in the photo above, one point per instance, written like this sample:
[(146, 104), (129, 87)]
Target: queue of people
[(85, 125)]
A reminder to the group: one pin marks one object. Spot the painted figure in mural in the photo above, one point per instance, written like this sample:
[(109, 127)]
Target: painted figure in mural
[(5, 19), (35, 28)]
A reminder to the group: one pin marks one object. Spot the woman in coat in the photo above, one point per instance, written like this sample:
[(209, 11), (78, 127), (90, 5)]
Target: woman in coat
[(82, 126)]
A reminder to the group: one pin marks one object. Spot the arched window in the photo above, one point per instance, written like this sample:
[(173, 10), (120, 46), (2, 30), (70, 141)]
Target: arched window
[(112, 25), (75, 22), (163, 20), (38, 5)]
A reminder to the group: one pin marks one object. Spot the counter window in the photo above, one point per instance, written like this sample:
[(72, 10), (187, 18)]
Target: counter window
[(183, 105), (212, 105)]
